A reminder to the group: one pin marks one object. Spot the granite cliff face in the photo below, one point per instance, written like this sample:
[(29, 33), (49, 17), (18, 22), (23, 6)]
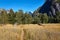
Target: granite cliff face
[(50, 7)]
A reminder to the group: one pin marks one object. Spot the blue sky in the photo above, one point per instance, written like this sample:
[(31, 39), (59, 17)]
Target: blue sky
[(26, 5)]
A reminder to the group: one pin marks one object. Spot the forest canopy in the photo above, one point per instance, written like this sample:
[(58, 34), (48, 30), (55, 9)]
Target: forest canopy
[(20, 17)]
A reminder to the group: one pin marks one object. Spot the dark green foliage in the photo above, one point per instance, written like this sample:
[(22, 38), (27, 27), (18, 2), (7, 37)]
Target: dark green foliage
[(36, 20), (55, 19), (27, 19), (51, 19), (20, 17), (3, 17), (44, 18), (11, 16), (58, 17)]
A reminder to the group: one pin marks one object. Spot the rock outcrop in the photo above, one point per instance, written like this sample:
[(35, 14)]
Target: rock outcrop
[(50, 7)]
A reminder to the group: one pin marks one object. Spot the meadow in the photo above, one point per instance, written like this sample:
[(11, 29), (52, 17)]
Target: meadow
[(30, 32)]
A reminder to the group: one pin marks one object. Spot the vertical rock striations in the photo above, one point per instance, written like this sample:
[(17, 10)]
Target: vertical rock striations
[(50, 7)]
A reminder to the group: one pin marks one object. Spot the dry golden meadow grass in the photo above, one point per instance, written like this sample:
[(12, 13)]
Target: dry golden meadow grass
[(30, 32)]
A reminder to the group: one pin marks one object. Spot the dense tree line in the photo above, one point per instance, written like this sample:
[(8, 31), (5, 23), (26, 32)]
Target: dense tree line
[(20, 17)]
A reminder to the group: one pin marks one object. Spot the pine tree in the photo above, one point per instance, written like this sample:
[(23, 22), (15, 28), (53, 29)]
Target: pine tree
[(19, 16), (3, 17), (27, 19), (58, 17), (44, 18), (11, 16)]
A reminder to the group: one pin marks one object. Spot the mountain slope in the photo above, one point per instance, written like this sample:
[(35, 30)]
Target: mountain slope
[(50, 7)]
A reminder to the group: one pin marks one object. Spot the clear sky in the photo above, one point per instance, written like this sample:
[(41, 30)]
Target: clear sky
[(26, 5)]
